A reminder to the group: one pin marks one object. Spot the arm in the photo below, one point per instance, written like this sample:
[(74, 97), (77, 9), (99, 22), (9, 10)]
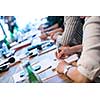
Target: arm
[(77, 48), (72, 73), (89, 63), (72, 24), (53, 32), (51, 28), (56, 30), (76, 76)]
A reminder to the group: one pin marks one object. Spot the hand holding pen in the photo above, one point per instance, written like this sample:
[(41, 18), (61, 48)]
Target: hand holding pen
[(63, 52)]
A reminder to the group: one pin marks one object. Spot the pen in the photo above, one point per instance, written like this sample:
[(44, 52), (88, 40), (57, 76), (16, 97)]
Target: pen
[(44, 69)]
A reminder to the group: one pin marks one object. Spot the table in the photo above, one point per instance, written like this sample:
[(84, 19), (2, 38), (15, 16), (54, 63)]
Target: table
[(48, 76)]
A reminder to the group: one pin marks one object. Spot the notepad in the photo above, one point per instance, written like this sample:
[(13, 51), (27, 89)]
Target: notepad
[(72, 58)]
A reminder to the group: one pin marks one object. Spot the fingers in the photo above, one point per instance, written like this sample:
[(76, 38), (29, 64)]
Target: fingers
[(43, 37), (59, 70), (60, 67), (59, 54), (56, 55), (62, 52), (51, 36)]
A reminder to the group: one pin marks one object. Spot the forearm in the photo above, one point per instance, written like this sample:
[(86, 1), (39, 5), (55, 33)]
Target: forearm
[(56, 30), (52, 27), (59, 30), (77, 48), (76, 76)]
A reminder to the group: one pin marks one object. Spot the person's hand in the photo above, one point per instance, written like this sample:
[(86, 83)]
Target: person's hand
[(60, 67), (63, 52), (52, 34), (42, 30), (43, 36), (55, 36)]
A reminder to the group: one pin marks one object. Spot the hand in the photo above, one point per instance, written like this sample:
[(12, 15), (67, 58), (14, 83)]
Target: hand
[(52, 34), (55, 36), (43, 36), (42, 30), (60, 67), (63, 52)]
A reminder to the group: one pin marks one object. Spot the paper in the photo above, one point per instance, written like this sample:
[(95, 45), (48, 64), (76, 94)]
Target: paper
[(71, 58), (19, 77), (47, 75), (45, 64), (45, 72)]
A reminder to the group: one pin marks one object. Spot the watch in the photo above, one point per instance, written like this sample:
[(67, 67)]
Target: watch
[(66, 68)]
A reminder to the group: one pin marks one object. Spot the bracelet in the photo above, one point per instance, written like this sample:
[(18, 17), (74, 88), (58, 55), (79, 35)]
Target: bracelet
[(66, 68)]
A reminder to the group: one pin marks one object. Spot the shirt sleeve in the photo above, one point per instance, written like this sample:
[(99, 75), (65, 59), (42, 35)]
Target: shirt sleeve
[(71, 24), (89, 62)]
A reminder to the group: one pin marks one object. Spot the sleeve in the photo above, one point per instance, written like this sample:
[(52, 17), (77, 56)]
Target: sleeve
[(71, 24), (89, 62), (52, 20), (60, 21)]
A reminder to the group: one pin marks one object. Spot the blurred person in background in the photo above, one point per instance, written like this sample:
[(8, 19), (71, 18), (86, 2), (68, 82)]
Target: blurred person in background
[(54, 25)]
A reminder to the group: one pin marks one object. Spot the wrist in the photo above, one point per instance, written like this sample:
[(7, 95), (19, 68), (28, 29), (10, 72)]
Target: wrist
[(47, 33), (66, 68), (72, 50), (77, 48), (69, 51)]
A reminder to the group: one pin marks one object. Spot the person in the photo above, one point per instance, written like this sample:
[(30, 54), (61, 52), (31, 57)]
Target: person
[(12, 26), (88, 66), (71, 38), (11, 21), (3, 37), (55, 24)]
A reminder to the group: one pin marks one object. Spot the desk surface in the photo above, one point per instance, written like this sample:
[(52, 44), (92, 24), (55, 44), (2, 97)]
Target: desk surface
[(47, 76)]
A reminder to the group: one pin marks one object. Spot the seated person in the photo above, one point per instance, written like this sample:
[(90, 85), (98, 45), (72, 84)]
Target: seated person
[(88, 66), (55, 24), (71, 39)]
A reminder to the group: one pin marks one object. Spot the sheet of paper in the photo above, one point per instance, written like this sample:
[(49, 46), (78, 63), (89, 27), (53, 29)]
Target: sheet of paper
[(72, 58), (19, 77), (46, 63), (47, 74)]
